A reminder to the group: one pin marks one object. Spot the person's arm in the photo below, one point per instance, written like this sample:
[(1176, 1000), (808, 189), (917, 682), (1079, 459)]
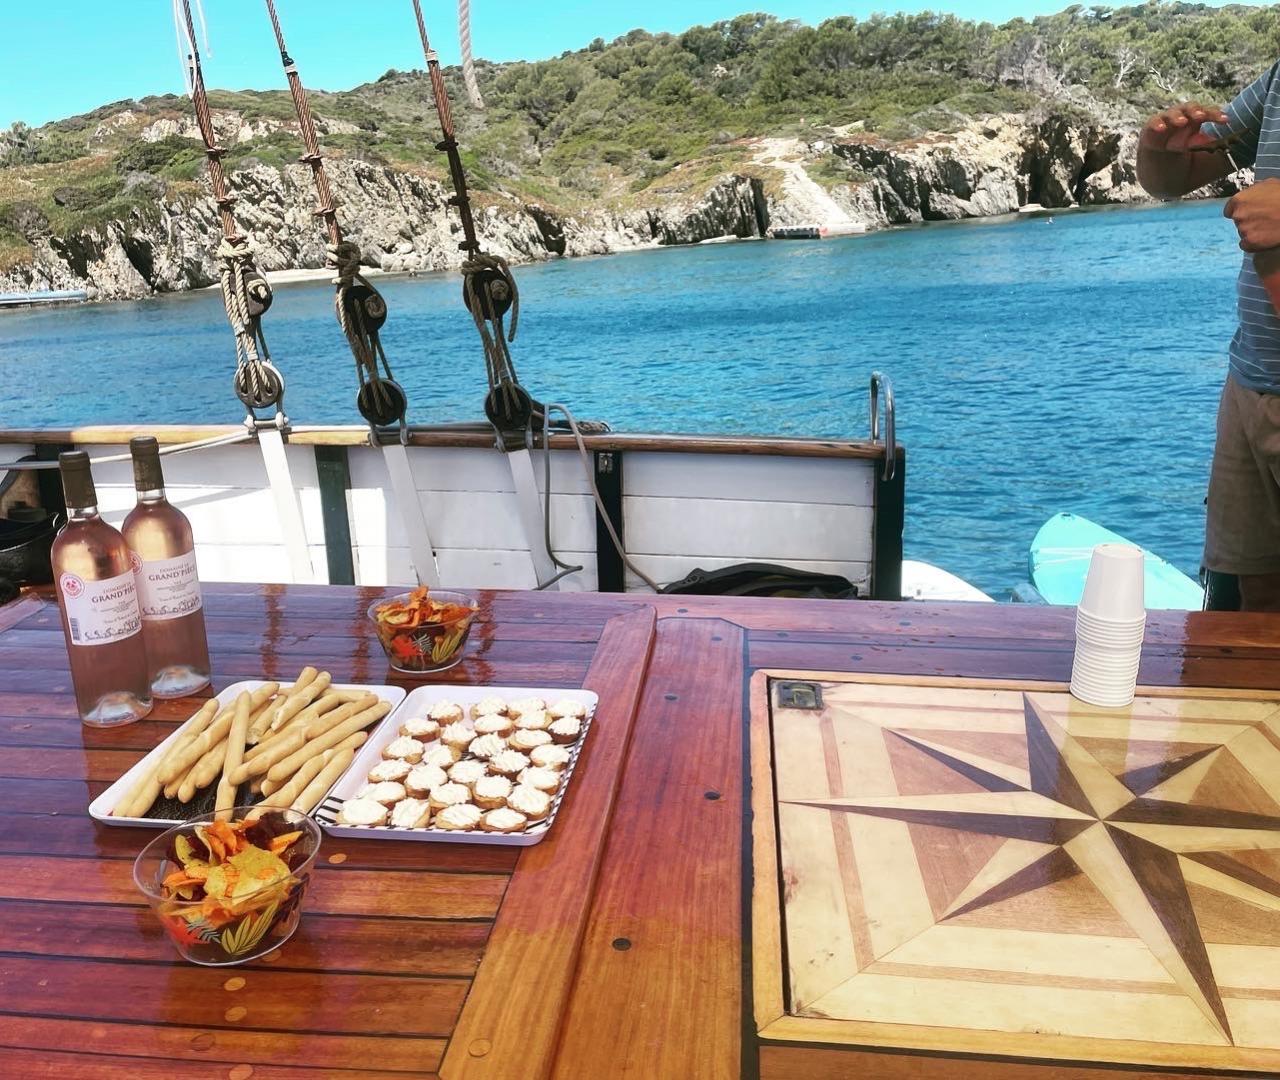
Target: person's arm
[(1168, 166)]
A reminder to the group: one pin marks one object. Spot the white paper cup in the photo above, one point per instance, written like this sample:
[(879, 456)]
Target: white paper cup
[(1086, 621), (1113, 588), (1107, 699), (1107, 658), (1116, 676), (1109, 639), (1105, 675)]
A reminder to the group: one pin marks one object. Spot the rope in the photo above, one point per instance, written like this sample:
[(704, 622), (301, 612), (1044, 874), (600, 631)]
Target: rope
[(566, 568), (257, 382), (485, 301), (360, 308), (360, 316), (468, 64), (245, 292)]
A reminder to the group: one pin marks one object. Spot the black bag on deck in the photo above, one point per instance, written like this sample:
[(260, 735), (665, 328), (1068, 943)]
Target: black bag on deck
[(764, 579)]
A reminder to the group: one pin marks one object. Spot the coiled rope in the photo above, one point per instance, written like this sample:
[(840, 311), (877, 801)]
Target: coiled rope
[(468, 64), (245, 295)]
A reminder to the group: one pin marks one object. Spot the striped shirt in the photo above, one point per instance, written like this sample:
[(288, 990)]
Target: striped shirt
[(1255, 348)]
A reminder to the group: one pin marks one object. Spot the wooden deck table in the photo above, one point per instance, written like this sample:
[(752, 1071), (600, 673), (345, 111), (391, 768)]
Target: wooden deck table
[(618, 947)]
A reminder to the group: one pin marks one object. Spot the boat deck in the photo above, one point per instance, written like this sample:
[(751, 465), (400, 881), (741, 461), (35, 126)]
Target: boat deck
[(622, 946)]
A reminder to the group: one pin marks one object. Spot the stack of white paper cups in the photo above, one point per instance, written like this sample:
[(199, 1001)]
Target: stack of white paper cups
[(1109, 625)]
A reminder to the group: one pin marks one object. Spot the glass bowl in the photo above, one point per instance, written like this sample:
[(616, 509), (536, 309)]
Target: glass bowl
[(216, 936), (417, 647)]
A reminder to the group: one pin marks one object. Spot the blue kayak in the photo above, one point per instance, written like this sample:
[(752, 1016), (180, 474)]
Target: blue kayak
[(1059, 560)]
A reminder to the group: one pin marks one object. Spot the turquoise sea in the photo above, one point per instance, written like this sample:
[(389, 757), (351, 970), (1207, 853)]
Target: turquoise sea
[(1039, 365)]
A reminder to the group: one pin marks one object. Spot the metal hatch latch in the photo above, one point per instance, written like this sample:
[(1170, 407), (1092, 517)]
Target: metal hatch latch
[(799, 695)]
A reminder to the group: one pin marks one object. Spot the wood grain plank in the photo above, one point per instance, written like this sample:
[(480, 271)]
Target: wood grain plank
[(20, 610), (814, 1063), (58, 1065), (67, 834), (768, 997), (182, 993), (658, 989), (196, 1048), (333, 890), (325, 635), (446, 948), (1035, 1045), (544, 912), (19, 674)]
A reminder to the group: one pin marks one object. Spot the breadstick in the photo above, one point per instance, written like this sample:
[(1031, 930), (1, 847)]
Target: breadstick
[(324, 704), (332, 719), (286, 793), (324, 780), (262, 717), (213, 734), (202, 773), (316, 725), (300, 699), (226, 797), (186, 735), (207, 769), (348, 695), (173, 786), (279, 748), (301, 719), (138, 799), (290, 765)]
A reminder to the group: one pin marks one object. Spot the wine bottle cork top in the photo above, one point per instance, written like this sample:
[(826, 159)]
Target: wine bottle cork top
[(147, 473), (77, 480)]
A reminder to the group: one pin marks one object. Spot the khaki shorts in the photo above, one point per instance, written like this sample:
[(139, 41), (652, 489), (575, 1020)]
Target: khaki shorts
[(1242, 531)]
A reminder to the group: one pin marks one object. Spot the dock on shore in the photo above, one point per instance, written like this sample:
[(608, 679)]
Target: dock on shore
[(31, 299)]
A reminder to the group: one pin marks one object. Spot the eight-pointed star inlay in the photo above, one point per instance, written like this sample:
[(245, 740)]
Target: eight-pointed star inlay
[(1129, 835)]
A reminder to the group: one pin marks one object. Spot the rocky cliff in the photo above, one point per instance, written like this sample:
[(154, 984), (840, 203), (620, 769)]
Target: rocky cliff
[(401, 220)]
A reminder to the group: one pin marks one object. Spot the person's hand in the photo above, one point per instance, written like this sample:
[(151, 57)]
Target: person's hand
[(1177, 128), (1256, 213)]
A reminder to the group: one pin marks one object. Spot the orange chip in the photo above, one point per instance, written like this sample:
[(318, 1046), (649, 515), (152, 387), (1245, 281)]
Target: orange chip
[(280, 843), (231, 840)]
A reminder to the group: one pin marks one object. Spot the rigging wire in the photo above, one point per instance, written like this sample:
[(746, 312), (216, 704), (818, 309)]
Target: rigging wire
[(489, 289), (245, 293), (176, 448), (360, 308)]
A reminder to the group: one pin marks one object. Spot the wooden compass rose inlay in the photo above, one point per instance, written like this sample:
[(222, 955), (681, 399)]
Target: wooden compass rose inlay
[(1005, 871)]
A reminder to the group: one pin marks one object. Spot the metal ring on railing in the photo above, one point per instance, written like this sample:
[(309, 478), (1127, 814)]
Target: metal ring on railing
[(880, 383)]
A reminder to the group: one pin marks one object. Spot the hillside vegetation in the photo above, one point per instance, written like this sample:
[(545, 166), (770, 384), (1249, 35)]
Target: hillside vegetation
[(610, 123)]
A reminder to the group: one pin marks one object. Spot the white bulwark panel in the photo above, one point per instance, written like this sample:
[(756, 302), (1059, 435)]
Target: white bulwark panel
[(680, 511)]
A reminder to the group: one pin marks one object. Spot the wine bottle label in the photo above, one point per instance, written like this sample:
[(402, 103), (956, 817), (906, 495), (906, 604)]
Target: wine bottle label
[(167, 588), (100, 612)]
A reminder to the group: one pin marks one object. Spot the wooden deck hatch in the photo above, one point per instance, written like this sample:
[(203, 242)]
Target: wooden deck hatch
[(995, 868)]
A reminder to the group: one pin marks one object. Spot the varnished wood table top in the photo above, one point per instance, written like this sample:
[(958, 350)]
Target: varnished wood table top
[(619, 947)]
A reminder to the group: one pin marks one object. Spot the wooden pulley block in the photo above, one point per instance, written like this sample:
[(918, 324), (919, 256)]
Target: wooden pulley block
[(365, 307)]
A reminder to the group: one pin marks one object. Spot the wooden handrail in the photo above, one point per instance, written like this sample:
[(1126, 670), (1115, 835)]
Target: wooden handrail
[(353, 435)]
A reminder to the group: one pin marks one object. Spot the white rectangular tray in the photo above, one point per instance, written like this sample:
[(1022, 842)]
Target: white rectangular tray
[(100, 808), (417, 704)]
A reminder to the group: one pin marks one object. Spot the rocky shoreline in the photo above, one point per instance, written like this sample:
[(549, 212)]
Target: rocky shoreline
[(402, 222)]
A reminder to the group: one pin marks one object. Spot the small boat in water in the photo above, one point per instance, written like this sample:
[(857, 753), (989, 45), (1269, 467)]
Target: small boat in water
[(924, 581), (1058, 561)]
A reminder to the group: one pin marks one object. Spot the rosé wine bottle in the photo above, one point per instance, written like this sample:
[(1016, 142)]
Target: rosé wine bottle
[(164, 566), (93, 575)]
